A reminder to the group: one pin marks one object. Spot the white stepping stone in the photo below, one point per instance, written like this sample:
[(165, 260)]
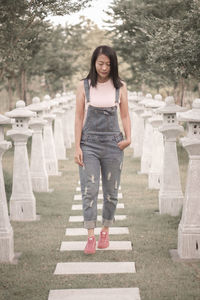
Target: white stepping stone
[(78, 189), (99, 206), (100, 196), (94, 268), (97, 294), (80, 246), (83, 231), (99, 218)]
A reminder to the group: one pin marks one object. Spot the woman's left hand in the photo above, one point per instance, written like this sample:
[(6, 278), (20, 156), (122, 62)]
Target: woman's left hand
[(123, 144)]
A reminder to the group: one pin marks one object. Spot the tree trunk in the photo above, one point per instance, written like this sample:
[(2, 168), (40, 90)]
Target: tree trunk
[(17, 86), (23, 86), (10, 98), (182, 91), (199, 88)]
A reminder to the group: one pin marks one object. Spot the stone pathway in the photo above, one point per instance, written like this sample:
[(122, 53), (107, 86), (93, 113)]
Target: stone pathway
[(80, 268)]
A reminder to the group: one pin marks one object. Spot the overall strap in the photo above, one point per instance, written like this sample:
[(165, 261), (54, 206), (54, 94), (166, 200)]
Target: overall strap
[(117, 96), (87, 90)]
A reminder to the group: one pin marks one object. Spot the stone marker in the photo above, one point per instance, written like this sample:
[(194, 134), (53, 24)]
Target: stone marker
[(155, 171), (97, 294), (94, 268), (170, 194), (58, 131), (22, 201), (189, 227), (6, 231), (49, 143), (83, 231), (66, 126), (80, 245), (139, 130), (39, 176), (148, 136)]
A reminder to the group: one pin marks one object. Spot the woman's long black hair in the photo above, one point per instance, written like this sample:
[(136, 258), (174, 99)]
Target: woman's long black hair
[(111, 54)]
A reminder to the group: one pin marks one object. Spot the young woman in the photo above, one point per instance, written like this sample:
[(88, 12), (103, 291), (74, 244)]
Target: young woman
[(99, 144)]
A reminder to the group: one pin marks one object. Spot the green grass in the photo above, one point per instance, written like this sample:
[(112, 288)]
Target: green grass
[(152, 236)]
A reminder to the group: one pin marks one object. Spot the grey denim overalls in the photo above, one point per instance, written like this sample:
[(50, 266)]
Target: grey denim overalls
[(99, 139)]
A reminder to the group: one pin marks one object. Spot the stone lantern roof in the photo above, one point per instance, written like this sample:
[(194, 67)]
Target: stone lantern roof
[(37, 106), (153, 103), (170, 107), (192, 115), (5, 120), (146, 99), (20, 111)]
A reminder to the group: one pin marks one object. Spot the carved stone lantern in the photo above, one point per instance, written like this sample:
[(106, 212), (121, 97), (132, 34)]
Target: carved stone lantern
[(155, 170), (22, 201), (39, 176), (148, 135), (58, 130), (189, 227), (170, 194), (6, 231), (48, 138), (66, 121)]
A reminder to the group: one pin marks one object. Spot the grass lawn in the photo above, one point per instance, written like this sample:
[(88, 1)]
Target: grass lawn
[(152, 236)]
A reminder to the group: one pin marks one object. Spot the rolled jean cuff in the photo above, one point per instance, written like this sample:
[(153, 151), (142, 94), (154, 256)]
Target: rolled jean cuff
[(107, 223), (90, 224)]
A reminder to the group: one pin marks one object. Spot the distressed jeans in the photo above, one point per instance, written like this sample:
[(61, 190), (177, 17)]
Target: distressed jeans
[(101, 155)]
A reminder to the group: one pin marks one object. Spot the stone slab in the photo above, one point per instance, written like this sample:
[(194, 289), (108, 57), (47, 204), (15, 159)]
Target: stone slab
[(97, 294), (80, 246), (99, 206), (100, 196), (94, 268), (99, 218), (83, 231)]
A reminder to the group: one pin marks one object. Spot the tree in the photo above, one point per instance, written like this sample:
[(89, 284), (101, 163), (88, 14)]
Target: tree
[(160, 39), (19, 21)]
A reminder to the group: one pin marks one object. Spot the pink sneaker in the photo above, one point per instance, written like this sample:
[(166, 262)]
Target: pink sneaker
[(103, 240), (90, 247)]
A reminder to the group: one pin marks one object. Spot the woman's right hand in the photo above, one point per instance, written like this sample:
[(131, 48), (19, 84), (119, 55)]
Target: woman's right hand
[(78, 157)]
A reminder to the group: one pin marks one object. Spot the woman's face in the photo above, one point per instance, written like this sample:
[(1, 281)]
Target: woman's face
[(103, 67)]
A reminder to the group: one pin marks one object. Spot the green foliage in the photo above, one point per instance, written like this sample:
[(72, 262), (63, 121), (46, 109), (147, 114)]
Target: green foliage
[(159, 39), (23, 32)]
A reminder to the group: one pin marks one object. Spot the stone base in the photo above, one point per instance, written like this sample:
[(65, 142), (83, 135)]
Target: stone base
[(40, 184), (176, 258), (22, 210), (52, 168), (170, 204), (145, 167), (189, 242), (6, 246), (154, 180)]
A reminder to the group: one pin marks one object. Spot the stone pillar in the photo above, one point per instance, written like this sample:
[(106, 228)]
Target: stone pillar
[(6, 231), (147, 143), (66, 127), (58, 132), (155, 171), (49, 144), (139, 131), (170, 194), (189, 227), (39, 176), (22, 201), (132, 100)]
